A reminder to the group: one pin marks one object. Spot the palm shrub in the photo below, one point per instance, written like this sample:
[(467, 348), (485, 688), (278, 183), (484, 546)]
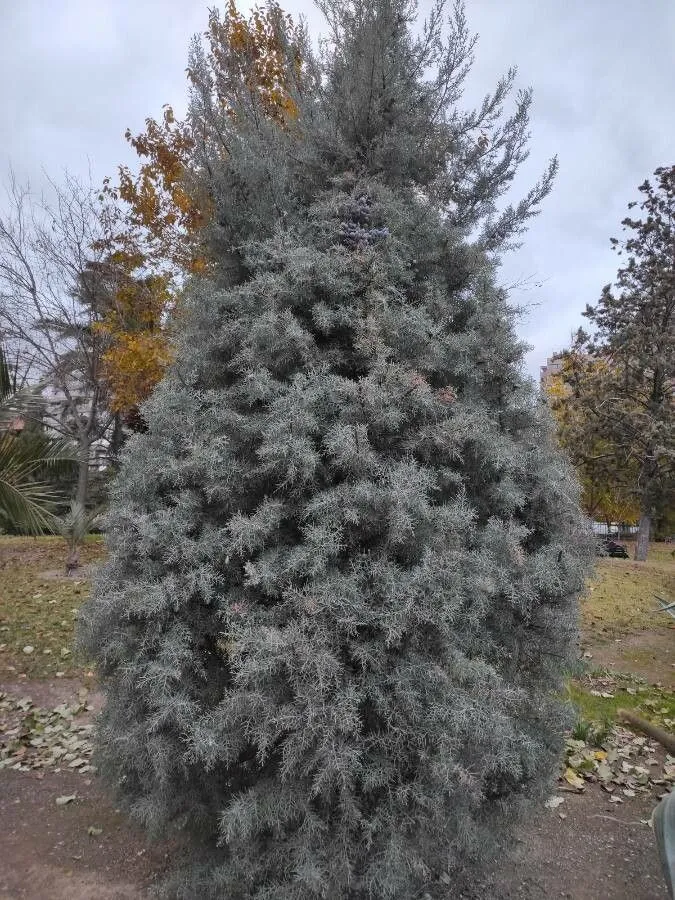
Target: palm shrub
[(74, 527), (27, 460), (345, 557)]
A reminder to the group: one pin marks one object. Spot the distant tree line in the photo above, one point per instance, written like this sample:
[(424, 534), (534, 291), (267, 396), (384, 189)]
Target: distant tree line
[(613, 398)]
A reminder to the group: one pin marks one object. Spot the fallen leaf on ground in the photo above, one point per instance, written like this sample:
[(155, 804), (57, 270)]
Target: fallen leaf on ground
[(572, 778)]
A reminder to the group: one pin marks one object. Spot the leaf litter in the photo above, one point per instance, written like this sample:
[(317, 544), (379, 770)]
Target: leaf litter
[(33, 738), (625, 766)]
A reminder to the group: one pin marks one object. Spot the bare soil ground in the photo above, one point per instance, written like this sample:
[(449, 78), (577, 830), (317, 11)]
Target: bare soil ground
[(50, 852), (588, 848), (647, 653), (598, 851)]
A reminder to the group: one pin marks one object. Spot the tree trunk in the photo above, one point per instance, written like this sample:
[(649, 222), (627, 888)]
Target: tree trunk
[(83, 478), (116, 439), (642, 543), (664, 738)]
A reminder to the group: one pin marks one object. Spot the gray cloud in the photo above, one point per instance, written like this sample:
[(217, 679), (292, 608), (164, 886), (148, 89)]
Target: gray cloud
[(75, 74)]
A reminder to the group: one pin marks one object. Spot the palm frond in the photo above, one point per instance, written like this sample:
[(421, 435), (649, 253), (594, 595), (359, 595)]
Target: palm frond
[(77, 523), (25, 498), (26, 506), (16, 402), (32, 453)]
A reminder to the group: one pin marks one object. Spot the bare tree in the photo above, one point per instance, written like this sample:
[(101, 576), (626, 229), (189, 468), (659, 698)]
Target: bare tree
[(51, 298)]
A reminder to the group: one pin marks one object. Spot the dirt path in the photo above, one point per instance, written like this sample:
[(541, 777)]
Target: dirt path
[(600, 851), (50, 852), (86, 850), (589, 848)]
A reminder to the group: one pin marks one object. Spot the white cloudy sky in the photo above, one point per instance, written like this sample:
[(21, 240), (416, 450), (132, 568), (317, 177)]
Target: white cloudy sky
[(75, 73)]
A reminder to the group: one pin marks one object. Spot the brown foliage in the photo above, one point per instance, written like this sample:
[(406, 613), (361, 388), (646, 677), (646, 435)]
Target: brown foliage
[(155, 217)]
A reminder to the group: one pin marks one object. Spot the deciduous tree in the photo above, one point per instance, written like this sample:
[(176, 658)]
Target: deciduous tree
[(49, 309), (630, 392), (608, 480), (154, 218)]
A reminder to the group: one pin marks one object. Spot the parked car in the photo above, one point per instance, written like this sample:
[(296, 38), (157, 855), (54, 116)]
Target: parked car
[(608, 547)]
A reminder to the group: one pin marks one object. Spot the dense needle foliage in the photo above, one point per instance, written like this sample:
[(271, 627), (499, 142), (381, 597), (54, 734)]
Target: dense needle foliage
[(345, 556)]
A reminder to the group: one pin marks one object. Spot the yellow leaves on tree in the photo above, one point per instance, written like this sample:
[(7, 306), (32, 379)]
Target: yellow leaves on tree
[(607, 486), (137, 351), (135, 364), (155, 221), (254, 52), (161, 220)]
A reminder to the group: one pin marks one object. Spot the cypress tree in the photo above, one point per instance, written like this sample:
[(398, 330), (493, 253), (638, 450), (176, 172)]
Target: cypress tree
[(345, 556)]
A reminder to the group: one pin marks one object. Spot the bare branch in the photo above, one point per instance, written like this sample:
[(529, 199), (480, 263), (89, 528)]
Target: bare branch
[(48, 313)]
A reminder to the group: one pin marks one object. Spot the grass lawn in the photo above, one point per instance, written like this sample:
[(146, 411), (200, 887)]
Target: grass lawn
[(621, 596), (598, 696), (38, 606), (622, 627), (630, 659)]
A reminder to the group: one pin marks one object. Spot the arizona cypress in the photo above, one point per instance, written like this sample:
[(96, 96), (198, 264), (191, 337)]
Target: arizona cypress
[(346, 554)]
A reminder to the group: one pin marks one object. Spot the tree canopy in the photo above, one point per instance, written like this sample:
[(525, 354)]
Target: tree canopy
[(345, 555), (154, 218), (622, 375), (608, 480)]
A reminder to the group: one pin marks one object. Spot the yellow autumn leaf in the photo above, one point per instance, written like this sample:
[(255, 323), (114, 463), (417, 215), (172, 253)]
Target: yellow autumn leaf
[(572, 778), (157, 221)]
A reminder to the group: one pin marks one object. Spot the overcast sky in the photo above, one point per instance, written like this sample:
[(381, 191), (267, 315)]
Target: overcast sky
[(74, 74)]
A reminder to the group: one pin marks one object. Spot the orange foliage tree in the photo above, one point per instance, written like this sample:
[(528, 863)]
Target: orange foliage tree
[(154, 218), (607, 480)]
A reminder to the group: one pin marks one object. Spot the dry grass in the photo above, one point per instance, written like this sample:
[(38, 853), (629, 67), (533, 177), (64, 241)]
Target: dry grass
[(621, 597), (38, 606), (627, 634)]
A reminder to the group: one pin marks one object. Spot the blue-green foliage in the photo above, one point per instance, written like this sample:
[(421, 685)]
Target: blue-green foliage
[(345, 557)]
